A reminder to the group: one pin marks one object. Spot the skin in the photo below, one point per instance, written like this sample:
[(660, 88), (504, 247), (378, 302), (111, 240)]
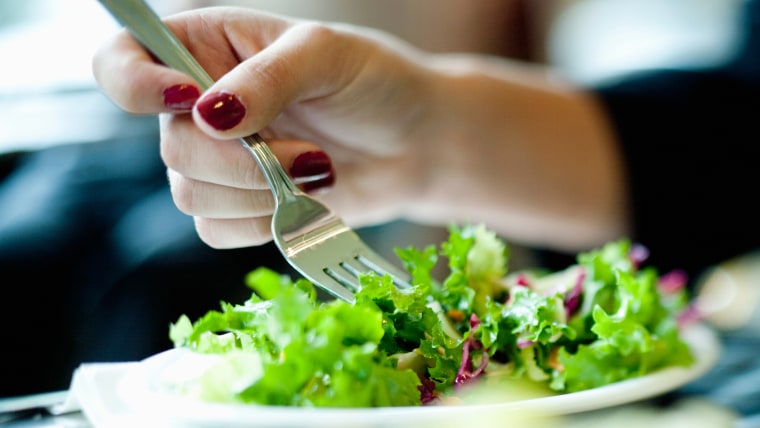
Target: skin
[(430, 138)]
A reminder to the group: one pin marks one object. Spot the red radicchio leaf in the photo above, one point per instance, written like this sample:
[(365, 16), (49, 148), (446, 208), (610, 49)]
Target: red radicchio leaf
[(466, 372), (638, 255), (673, 281), (572, 298), (522, 280), (428, 394)]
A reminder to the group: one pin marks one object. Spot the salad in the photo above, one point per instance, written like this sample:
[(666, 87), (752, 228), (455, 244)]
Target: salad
[(604, 319)]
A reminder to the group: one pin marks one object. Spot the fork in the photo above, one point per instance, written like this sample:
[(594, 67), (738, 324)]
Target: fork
[(313, 238)]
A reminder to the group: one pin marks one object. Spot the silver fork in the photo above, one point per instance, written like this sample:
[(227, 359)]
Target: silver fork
[(311, 237)]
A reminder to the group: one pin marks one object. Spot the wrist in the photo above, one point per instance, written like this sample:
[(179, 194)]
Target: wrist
[(507, 144)]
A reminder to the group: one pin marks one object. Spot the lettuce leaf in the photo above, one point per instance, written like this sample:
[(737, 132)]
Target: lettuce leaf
[(602, 320)]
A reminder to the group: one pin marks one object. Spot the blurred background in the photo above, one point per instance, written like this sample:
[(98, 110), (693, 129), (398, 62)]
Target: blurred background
[(95, 260), (48, 44)]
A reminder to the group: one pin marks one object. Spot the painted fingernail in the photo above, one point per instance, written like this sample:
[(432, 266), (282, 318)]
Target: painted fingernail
[(313, 171), (221, 110), (181, 97)]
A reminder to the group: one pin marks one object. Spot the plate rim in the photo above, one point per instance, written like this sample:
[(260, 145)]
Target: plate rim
[(702, 339)]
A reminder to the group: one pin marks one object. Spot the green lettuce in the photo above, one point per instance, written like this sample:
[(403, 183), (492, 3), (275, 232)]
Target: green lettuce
[(601, 320)]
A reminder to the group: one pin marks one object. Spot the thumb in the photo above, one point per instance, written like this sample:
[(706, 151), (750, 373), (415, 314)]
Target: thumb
[(302, 63)]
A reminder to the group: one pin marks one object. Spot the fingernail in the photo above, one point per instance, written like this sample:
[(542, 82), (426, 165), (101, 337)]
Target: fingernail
[(181, 97), (313, 171), (221, 110)]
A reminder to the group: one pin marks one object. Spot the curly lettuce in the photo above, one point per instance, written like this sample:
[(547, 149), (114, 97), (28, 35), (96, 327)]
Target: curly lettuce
[(603, 319)]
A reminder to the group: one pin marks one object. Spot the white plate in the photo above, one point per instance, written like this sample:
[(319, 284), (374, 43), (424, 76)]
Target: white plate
[(139, 390)]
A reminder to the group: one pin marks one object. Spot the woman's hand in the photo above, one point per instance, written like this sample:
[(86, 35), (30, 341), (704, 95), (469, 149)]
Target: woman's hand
[(332, 101), (394, 132)]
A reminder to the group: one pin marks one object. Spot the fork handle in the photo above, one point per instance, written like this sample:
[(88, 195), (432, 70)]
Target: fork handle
[(148, 28)]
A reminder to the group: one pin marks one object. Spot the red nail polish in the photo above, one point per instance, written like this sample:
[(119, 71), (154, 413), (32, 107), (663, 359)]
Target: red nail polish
[(313, 171), (221, 110), (181, 97)]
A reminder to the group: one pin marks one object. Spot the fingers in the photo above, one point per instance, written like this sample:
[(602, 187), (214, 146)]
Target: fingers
[(220, 184), (194, 155), (286, 75), (259, 51), (234, 233), (306, 62), (186, 149), (232, 217), (138, 83), (203, 199)]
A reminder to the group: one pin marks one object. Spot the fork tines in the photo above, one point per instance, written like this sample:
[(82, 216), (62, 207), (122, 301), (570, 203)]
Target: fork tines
[(348, 271)]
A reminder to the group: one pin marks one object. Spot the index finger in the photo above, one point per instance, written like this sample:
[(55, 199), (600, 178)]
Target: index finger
[(130, 76)]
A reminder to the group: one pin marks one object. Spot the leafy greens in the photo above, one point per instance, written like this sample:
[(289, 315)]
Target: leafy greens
[(604, 319)]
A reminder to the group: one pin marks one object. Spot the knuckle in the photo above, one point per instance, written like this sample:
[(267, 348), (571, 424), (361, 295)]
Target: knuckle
[(262, 202), (206, 232), (248, 173), (183, 195), (225, 234), (257, 231), (170, 152), (316, 32), (277, 73), (127, 95)]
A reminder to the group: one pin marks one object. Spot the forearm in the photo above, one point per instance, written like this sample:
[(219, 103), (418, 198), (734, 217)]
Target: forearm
[(526, 154)]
